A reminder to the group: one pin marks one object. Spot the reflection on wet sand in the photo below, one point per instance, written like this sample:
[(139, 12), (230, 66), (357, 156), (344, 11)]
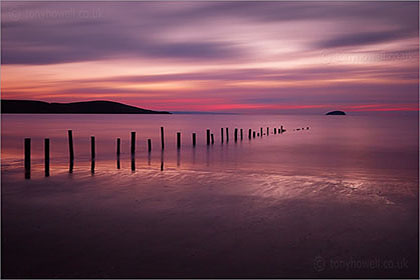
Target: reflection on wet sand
[(92, 166), (178, 158), (161, 160), (27, 173), (193, 156), (133, 163), (71, 165)]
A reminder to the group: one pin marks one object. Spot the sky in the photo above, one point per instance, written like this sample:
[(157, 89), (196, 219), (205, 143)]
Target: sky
[(239, 57)]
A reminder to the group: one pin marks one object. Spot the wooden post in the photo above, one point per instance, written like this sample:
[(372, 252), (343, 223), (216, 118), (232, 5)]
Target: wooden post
[(92, 149), (162, 137), (92, 146), (227, 134), (261, 133), (275, 130), (118, 146), (71, 151), (208, 136), (268, 131), (281, 129), (133, 142), (236, 134), (27, 158), (149, 145), (178, 140), (47, 156), (242, 134), (221, 134), (212, 139), (253, 134), (249, 133), (118, 153), (194, 140)]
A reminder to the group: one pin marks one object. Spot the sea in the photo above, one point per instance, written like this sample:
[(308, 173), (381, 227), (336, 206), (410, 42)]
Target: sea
[(329, 196)]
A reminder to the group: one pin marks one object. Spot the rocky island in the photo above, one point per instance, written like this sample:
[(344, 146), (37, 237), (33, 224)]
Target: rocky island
[(337, 113)]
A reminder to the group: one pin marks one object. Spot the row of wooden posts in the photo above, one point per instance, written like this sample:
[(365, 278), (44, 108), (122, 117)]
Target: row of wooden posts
[(209, 140)]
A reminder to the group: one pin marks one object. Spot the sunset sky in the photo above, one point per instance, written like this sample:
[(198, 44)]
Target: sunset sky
[(244, 57)]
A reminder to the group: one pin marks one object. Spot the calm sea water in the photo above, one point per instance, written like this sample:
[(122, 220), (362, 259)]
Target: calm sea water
[(299, 204)]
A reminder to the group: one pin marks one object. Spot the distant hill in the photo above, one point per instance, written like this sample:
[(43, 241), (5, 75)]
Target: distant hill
[(88, 107), (341, 113)]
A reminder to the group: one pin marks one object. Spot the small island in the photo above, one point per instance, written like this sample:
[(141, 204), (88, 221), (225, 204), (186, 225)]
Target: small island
[(336, 113), (88, 107)]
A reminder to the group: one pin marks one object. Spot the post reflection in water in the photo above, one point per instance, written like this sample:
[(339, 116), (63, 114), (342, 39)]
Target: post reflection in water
[(47, 169), (27, 173), (118, 162), (222, 153), (71, 164), (161, 160), (208, 154), (178, 158), (133, 163), (92, 167), (193, 156), (149, 158)]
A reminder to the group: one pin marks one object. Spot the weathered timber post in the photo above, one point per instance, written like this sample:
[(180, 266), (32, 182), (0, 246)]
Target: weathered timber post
[(118, 146), (47, 156), (162, 138), (27, 152), (221, 134), (71, 151), (227, 134), (149, 145), (133, 142), (178, 140), (92, 146)]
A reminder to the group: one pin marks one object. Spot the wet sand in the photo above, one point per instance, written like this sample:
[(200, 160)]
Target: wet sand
[(185, 223)]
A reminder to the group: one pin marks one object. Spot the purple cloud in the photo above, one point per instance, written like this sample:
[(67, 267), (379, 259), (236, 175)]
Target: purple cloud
[(56, 32)]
